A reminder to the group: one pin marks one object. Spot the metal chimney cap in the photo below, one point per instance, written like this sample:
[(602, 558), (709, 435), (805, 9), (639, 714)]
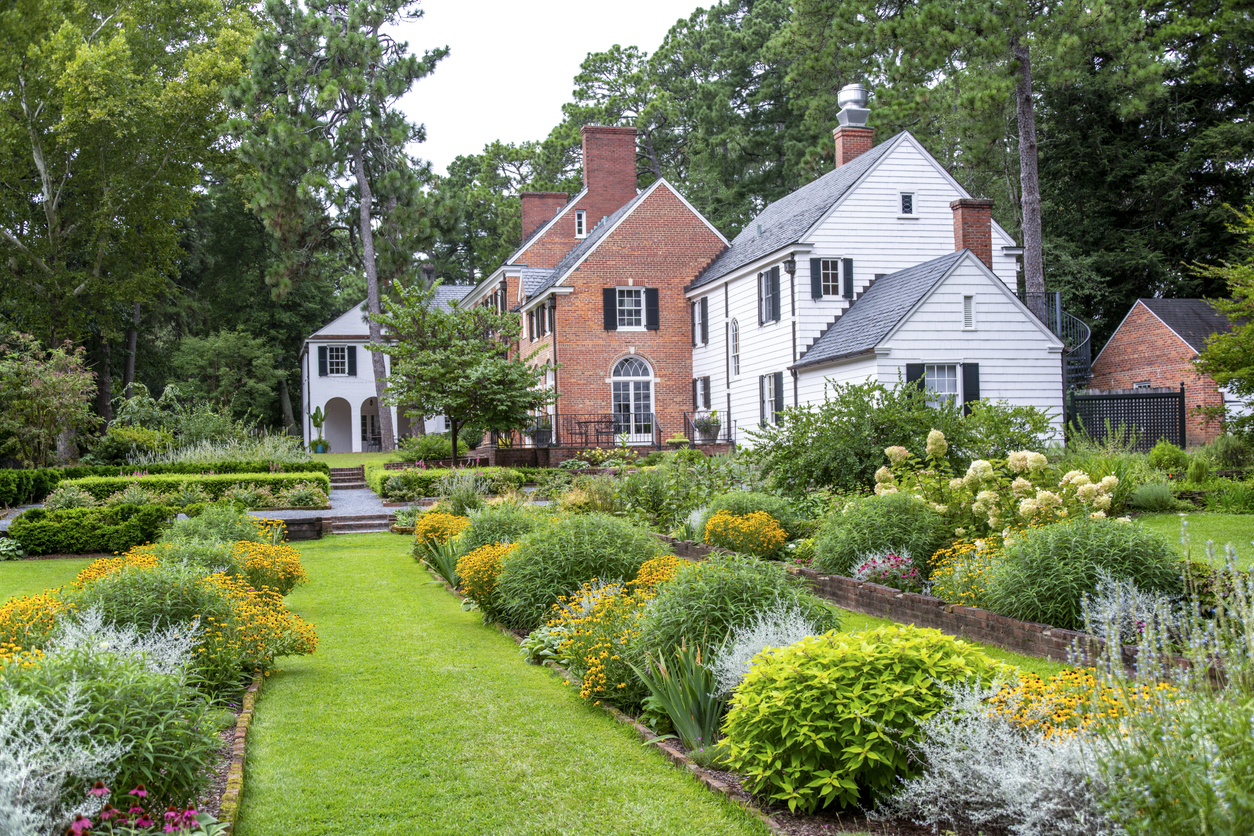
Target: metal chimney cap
[(853, 95)]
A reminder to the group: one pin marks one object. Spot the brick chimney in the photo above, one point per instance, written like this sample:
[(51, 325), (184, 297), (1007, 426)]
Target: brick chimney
[(853, 137), (538, 208), (973, 227), (609, 170)]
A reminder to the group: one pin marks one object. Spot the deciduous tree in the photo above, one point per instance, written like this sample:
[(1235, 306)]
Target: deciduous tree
[(43, 393)]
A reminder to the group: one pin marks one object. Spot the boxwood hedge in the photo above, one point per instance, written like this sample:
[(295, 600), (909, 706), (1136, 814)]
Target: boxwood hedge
[(214, 484), (422, 481), (90, 530)]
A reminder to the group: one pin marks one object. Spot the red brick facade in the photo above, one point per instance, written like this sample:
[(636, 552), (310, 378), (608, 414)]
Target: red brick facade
[(1143, 349), (973, 227), (538, 208)]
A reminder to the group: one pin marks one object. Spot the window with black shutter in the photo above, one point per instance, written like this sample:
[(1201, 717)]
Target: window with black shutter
[(705, 321), (705, 391), (352, 361), (531, 325), (775, 306), (848, 264), (652, 316), (970, 386), (609, 299), (779, 396), (322, 361)]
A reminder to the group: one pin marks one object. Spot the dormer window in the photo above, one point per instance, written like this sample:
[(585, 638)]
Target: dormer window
[(581, 224)]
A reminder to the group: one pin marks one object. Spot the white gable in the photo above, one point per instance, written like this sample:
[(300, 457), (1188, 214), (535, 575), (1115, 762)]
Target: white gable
[(350, 324)]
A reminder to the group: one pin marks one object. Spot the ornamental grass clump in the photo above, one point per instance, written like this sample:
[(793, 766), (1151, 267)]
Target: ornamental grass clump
[(756, 533), (557, 559), (823, 722), (1045, 572), (505, 522), (706, 601), (891, 523)]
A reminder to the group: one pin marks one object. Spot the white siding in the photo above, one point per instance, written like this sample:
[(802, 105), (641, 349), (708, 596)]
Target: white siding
[(813, 383), (1019, 362)]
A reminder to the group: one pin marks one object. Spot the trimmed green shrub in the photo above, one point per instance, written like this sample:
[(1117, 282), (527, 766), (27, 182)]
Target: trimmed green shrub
[(167, 728), (215, 484), (1167, 456), (555, 560), (746, 502), (89, 530), (821, 722), (68, 496), (708, 600), (121, 443), (1153, 496), (876, 524), (414, 482), (1043, 574)]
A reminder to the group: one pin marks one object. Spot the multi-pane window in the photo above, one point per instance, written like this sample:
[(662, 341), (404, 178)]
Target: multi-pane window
[(581, 223), (548, 316), (735, 348), (699, 331), (766, 308), (630, 307), (941, 382), (337, 360), (632, 398), (768, 398), (907, 203), (830, 270)]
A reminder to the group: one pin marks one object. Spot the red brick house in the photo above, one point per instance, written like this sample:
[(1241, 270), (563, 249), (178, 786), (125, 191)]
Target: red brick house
[(1154, 347), (599, 285)]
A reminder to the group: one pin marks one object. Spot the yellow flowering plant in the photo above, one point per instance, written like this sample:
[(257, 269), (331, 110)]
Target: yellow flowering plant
[(962, 570), (1075, 700), (756, 533), (438, 527), (27, 622), (479, 571)]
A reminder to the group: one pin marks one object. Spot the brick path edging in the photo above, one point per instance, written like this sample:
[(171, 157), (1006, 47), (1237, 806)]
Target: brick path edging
[(228, 809)]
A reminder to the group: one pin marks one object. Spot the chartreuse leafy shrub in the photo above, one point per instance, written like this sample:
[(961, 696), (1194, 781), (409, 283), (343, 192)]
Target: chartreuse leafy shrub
[(555, 560), (163, 725), (1167, 456), (706, 601), (756, 533), (89, 530), (593, 631), (742, 503), (479, 572), (877, 524), (822, 722), (1044, 573)]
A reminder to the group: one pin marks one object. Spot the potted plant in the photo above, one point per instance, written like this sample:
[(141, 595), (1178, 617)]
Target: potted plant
[(318, 418), (708, 425), (541, 431)]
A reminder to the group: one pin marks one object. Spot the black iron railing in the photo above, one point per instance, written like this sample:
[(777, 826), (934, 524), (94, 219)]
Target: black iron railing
[(706, 428), (1074, 333), (597, 429)]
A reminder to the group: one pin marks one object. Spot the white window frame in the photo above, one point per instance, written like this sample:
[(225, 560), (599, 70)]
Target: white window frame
[(735, 348), (829, 268), (696, 324), (332, 360), (766, 313), (968, 313), (622, 293), (934, 373), (1142, 384), (581, 223), (903, 210)]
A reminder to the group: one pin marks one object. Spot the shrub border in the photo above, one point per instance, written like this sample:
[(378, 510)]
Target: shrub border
[(229, 804)]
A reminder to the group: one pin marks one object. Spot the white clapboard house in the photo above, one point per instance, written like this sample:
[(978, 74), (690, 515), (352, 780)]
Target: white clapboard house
[(883, 269)]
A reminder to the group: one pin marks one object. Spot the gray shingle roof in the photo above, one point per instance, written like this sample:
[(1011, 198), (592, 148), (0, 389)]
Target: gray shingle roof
[(533, 278), (445, 294), (866, 323), (595, 235), (1193, 319), (787, 219)]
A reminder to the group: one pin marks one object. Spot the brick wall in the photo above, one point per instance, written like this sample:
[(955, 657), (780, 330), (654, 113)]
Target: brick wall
[(851, 142), (538, 208), (1143, 348), (973, 227)]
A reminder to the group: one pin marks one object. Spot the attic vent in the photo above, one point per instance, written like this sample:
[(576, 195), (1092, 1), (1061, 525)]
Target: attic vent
[(759, 229), (968, 311)]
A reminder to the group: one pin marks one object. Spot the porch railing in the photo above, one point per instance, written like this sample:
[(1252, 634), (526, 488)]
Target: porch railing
[(706, 428), (597, 429), (1074, 333)]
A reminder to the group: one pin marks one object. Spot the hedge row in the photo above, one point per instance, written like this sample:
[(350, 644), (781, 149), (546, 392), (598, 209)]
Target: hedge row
[(22, 487), (422, 481), (214, 484), (92, 530)]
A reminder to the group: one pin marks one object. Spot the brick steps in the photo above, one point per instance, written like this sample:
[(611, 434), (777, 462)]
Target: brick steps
[(360, 523), (348, 478)]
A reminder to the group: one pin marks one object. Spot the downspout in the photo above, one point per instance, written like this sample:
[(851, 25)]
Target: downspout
[(553, 332)]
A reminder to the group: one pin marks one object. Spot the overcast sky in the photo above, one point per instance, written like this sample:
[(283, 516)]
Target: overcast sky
[(511, 65)]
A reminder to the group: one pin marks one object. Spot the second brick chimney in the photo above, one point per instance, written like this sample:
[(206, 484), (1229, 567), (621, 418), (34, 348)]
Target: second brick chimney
[(973, 227), (609, 170), (853, 137), (538, 208)]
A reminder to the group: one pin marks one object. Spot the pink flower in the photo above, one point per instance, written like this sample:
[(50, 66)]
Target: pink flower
[(139, 792), (98, 789)]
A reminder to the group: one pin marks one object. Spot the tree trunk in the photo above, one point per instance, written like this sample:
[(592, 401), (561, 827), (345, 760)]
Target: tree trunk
[(132, 343), (1033, 261), (453, 428), (285, 403), (372, 301), (104, 383)]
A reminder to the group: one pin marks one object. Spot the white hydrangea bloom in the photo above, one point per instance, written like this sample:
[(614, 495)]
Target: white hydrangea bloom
[(1021, 487), (955, 484), (937, 446), (896, 454), (1075, 477), (1108, 483), (1037, 461), (1047, 500), (1018, 461), (884, 476), (1088, 493), (1027, 508), (1102, 503), (884, 490), (1098, 515)]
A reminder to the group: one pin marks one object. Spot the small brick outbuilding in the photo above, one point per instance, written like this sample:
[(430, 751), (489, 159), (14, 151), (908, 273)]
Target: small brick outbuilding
[(1154, 347)]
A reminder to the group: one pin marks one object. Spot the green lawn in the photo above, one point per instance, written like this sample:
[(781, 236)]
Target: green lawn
[(351, 459), (413, 717), (1237, 529), (26, 577)]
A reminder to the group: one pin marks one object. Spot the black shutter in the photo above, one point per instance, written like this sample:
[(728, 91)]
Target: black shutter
[(705, 386), (705, 320), (779, 396), (970, 386), (762, 399), (914, 374), (694, 394), (609, 297), (692, 315), (651, 318), (531, 325), (848, 264), (322, 361), (775, 306), (761, 299), (352, 360), (816, 278)]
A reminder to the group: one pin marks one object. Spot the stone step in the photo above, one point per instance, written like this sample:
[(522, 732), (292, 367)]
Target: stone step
[(359, 528), (348, 486), (360, 518)]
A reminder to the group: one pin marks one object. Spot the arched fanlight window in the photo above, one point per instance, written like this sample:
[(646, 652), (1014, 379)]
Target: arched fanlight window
[(631, 393)]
